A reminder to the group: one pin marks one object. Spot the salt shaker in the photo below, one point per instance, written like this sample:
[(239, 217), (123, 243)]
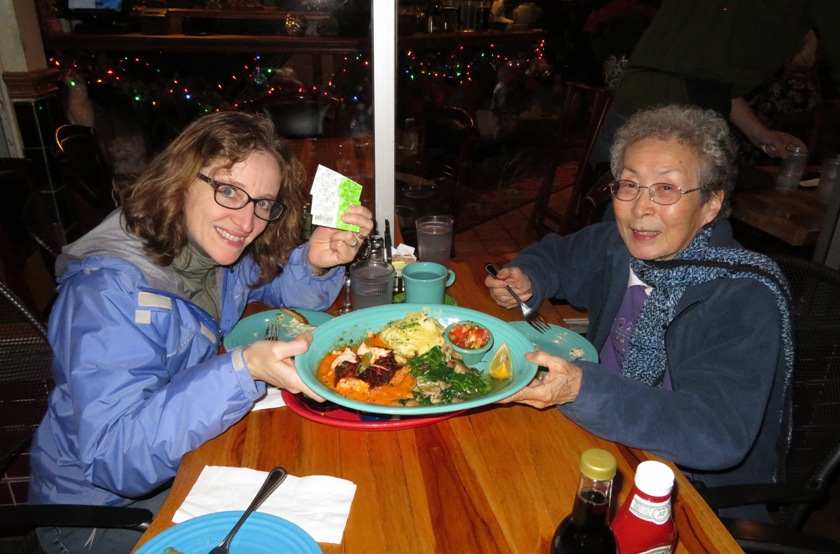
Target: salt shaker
[(829, 176), (792, 167)]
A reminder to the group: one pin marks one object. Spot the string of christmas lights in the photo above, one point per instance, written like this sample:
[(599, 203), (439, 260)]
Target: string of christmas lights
[(156, 82)]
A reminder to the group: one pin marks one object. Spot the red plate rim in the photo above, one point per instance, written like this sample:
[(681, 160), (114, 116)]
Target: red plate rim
[(348, 419)]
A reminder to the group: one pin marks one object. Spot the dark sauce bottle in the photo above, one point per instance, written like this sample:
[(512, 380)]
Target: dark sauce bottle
[(587, 528)]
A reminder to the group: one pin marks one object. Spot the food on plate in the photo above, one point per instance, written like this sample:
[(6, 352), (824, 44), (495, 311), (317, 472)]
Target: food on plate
[(292, 322), (469, 335), (406, 364), (501, 366), (414, 335), (297, 316), (576, 353)]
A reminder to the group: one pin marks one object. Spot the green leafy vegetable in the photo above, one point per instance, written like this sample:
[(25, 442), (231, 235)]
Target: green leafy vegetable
[(431, 368)]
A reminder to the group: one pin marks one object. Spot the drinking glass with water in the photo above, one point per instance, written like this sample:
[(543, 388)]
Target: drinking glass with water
[(434, 238)]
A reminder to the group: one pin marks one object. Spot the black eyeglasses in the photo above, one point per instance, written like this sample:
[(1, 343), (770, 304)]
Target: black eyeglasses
[(234, 198), (663, 194)]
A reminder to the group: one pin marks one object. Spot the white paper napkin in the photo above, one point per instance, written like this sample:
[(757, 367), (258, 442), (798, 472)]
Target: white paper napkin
[(319, 504), (272, 399)]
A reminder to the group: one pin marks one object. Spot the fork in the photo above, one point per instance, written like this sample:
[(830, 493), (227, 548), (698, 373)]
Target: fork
[(532, 316), (272, 332)]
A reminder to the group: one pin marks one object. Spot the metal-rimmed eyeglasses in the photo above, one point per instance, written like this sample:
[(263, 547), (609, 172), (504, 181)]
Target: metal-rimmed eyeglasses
[(234, 198), (663, 194)]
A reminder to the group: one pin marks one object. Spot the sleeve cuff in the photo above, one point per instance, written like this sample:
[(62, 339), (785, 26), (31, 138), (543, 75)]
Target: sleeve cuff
[(251, 388)]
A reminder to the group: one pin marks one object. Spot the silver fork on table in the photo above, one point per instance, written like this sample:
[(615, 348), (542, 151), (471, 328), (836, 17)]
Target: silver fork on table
[(272, 332), (532, 316)]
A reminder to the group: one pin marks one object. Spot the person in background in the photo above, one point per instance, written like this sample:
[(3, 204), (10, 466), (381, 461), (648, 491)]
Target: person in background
[(693, 331), (144, 301), (794, 89), (711, 53)]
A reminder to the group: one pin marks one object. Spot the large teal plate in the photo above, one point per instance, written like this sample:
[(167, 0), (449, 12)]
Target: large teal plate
[(559, 341), (252, 328), (353, 327), (260, 534)]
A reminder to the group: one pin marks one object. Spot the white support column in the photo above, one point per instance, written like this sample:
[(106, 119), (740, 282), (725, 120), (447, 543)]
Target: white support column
[(384, 50)]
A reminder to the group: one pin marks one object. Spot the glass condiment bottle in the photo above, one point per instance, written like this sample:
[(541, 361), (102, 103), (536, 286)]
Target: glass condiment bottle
[(587, 528), (372, 278), (644, 523)]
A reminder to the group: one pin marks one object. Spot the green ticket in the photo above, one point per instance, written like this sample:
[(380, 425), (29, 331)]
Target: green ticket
[(332, 193)]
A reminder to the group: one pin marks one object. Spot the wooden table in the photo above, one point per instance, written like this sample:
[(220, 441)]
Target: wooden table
[(497, 479), (793, 216)]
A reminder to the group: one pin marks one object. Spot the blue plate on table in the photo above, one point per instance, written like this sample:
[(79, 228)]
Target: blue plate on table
[(559, 341), (252, 328), (260, 534), (353, 327)]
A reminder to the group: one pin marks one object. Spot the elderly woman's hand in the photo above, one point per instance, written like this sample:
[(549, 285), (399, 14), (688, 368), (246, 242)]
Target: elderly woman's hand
[(330, 247), (560, 385), (517, 280), (273, 362)]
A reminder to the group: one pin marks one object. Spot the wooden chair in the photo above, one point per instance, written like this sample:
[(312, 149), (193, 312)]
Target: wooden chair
[(591, 103), (445, 137), (813, 459), (26, 236), (301, 115)]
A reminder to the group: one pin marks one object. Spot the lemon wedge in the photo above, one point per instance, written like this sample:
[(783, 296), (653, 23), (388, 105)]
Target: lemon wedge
[(501, 366)]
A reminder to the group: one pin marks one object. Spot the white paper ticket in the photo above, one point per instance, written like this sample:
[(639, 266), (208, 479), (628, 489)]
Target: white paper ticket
[(332, 193)]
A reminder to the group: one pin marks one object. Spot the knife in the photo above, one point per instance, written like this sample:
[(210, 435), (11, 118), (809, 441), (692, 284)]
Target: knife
[(387, 241)]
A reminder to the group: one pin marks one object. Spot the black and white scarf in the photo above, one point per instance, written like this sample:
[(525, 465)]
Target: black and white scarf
[(697, 264)]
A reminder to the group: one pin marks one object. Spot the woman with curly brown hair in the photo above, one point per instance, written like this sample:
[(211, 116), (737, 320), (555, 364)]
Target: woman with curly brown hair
[(144, 301)]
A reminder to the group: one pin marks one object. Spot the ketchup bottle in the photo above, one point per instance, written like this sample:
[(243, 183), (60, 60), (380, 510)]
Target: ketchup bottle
[(643, 524), (586, 529)]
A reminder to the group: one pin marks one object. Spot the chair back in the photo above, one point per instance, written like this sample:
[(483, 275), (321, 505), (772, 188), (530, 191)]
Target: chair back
[(297, 116), (446, 138), (814, 454), (26, 234), (25, 375), (444, 133), (586, 201), (87, 171)]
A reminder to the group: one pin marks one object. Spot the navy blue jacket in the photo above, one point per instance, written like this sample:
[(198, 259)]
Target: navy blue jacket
[(722, 422)]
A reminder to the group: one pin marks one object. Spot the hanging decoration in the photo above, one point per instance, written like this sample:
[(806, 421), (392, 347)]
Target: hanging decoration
[(168, 82)]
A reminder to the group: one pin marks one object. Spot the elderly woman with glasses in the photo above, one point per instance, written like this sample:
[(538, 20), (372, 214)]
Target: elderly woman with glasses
[(144, 301), (693, 331)]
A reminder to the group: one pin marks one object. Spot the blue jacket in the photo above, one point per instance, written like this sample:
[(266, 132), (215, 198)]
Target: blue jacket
[(722, 422), (139, 382)]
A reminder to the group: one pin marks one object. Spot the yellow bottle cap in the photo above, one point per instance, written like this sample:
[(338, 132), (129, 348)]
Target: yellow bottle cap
[(597, 464)]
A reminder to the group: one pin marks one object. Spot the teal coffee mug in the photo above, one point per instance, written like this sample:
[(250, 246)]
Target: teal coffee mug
[(426, 282)]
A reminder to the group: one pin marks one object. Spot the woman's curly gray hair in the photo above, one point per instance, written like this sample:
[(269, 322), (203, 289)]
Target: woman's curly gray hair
[(704, 131)]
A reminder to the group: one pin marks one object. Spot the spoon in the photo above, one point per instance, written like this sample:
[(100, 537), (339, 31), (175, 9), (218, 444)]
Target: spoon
[(275, 477)]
